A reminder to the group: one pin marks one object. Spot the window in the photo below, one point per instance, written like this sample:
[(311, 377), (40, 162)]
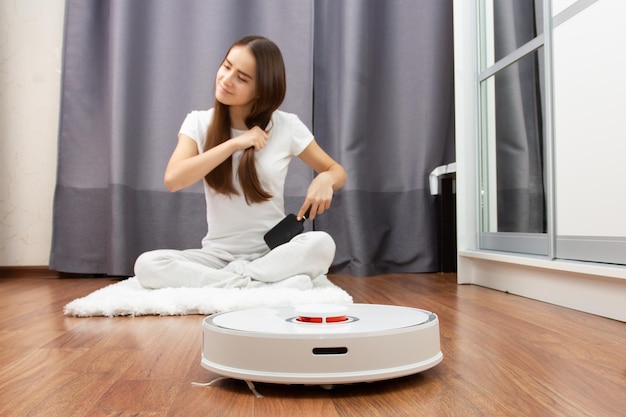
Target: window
[(512, 127)]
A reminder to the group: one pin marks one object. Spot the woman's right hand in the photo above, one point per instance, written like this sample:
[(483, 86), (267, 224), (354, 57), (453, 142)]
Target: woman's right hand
[(186, 166), (254, 138)]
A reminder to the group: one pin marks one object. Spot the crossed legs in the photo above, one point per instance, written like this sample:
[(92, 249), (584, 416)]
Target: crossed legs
[(306, 256)]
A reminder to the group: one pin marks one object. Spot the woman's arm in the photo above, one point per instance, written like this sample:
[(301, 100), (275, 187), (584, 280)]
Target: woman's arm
[(330, 176), (186, 166)]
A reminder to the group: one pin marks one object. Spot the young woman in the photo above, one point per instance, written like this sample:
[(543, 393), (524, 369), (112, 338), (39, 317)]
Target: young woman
[(241, 149)]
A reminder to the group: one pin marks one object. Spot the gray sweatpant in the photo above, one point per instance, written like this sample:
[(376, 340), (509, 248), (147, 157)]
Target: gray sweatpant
[(309, 254)]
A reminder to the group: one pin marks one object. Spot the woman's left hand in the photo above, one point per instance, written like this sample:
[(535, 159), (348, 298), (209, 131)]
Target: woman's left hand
[(318, 196), (331, 176)]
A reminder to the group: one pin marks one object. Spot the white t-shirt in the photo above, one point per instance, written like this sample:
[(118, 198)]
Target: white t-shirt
[(233, 225)]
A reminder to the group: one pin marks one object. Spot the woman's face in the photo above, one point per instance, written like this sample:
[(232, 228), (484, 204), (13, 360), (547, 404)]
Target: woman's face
[(235, 83)]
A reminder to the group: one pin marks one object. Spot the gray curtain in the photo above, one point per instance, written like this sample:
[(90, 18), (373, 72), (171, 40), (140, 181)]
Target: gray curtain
[(379, 73), (383, 91)]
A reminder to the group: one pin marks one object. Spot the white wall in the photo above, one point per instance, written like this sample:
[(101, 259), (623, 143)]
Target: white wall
[(31, 35)]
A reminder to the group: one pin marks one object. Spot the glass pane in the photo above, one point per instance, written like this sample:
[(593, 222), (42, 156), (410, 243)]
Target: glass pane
[(506, 25), (589, 91), (590, 173), (512, 143)]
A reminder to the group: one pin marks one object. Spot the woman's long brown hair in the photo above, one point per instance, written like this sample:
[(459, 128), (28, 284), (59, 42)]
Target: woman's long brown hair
[(271, 86)]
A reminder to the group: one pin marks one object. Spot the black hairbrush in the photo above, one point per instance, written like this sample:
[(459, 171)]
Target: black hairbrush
[(285, 230)]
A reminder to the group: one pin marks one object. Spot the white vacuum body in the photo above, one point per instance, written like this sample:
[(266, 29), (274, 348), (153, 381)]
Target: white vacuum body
[(321, 344)]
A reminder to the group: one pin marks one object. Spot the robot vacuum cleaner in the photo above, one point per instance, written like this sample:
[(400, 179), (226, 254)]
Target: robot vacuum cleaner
[(321, 344)]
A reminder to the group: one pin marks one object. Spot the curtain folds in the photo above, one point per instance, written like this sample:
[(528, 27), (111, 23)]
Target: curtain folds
[(383, 93), (372, 79)]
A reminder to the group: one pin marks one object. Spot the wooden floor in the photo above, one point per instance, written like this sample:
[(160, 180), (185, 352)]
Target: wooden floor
[(503, 356)]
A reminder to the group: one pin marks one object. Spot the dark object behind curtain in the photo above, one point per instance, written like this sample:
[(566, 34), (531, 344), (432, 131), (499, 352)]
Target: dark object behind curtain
[(132, 71), (519, 120)]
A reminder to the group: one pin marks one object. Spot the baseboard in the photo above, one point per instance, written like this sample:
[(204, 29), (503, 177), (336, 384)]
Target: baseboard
[(27, 272), (595, 289)]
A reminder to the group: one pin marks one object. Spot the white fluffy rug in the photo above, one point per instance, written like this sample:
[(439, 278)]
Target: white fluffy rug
[(128, 298)]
